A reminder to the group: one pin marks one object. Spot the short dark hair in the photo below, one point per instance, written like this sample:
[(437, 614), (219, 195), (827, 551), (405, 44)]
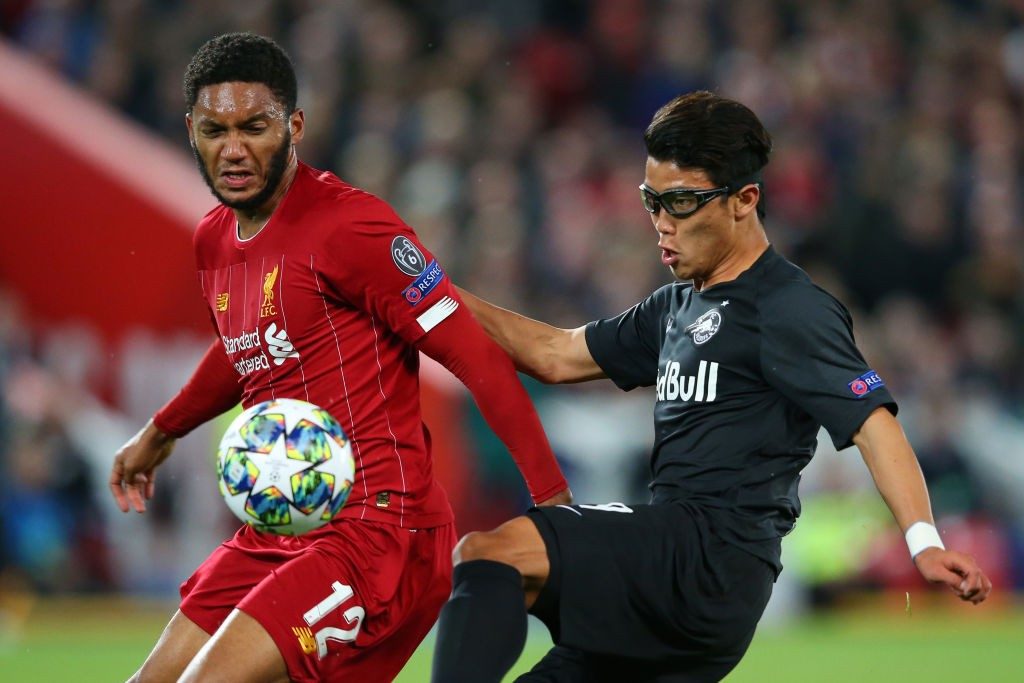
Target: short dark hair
[(243, 57), (720, 136)]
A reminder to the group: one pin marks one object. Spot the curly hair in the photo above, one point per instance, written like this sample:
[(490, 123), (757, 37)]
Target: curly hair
[(244, 57), (720, 136)]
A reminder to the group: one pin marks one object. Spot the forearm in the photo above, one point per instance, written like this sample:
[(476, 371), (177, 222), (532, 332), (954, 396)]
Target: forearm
[(511, 416), (213, 389), (550, 354), (895, 470), (898, 477), (462, 347), (899, 480)]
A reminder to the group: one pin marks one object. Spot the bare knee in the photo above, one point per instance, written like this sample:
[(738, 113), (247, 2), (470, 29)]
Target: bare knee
[(476, 545), (516, 543)]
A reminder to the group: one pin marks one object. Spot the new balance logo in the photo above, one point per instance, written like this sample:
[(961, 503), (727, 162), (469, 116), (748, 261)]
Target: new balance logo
[(278, 344), (306, 640)]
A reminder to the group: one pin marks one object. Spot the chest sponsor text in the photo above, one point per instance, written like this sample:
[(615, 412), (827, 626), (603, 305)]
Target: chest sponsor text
[(271, 340), (672, 385)]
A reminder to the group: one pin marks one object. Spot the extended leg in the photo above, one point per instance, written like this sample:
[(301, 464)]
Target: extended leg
[(178, 644), (241, 651), (482, 628)]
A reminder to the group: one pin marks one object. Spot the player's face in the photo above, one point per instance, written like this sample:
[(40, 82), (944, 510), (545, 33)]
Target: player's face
[(242, 138), (693, 246)]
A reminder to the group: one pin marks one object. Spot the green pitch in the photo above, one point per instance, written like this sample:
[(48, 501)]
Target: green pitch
[(105, 640)]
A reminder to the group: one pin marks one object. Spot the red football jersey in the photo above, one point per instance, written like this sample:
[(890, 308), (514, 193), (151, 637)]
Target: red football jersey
[(324, 304)]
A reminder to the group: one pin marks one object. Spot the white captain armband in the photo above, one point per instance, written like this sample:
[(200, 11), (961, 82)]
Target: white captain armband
[(921, 536)]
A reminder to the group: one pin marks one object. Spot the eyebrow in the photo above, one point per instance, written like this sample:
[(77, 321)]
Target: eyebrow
[(207, 121), (680, 189)]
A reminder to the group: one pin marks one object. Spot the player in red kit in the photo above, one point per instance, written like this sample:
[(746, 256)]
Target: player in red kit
[(318, 292)]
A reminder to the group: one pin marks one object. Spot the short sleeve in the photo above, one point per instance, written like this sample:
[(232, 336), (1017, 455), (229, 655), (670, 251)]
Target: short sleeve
[(377, 263), (627, 346), (809, 355)]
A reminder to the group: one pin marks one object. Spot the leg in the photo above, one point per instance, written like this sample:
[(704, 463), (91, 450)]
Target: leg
[(482, 628), (568, 665), (560, 665), (353, 604), (207, 597), (516, 543), (178, 644), (219, 659)]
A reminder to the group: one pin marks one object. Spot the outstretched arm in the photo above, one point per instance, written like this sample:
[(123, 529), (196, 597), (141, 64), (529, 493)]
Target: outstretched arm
[(549, 354), (898, 477), (212, 390), (461, 346)]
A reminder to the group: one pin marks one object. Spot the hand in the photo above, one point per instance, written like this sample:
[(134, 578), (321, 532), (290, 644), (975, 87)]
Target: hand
[(958, 571), (133, 475), (563, 497)]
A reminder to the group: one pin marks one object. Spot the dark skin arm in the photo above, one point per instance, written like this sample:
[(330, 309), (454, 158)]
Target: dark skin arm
[(133, 475)]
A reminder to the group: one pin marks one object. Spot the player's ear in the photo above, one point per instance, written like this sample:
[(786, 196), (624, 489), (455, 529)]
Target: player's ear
[(188, 127), (746, 200), (297, 124)]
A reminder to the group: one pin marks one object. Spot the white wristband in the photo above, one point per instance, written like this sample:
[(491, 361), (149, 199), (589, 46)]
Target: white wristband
[(922, 535)]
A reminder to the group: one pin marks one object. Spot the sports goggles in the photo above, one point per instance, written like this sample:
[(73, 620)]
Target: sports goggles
[(682, 201)]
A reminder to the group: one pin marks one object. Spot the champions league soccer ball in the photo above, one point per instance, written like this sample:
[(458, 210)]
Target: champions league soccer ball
[(285, 466)]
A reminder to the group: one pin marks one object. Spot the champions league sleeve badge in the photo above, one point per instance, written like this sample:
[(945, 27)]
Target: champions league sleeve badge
[(410, 260), (407, 257)]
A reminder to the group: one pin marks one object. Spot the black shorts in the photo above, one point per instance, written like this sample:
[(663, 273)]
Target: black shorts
[(644, 592)]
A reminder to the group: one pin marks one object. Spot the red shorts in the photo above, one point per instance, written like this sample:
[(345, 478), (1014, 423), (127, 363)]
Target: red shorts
[(352, 600)]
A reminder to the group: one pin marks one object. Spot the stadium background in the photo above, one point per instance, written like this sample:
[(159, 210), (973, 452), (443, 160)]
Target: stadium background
[(508, 135)]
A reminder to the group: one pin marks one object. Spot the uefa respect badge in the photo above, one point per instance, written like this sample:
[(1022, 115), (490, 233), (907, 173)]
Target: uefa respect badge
[(866, 383)]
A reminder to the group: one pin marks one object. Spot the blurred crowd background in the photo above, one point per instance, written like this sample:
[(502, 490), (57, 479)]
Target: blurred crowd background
[(508, 134)]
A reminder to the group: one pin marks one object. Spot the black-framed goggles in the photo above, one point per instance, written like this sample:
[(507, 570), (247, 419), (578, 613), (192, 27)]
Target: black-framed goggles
[(682, 202)]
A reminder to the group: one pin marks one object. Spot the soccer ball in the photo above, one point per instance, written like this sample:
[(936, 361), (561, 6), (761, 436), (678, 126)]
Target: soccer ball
[(285, 466)]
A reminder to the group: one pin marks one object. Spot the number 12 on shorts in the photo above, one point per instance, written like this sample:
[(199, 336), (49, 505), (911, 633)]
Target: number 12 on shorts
[(353, 615)]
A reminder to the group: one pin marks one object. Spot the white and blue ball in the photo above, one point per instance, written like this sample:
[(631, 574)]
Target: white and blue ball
[(285, 466)]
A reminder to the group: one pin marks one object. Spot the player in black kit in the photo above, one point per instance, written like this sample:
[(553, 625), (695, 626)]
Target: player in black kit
[(749, 358)]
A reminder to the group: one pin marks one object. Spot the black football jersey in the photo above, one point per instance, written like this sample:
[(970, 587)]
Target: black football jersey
[(745, 372)]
